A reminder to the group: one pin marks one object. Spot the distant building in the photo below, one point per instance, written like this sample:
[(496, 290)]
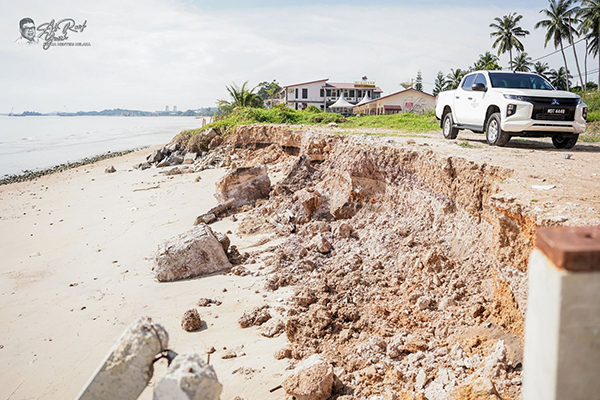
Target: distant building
[(166, 108), (409, 100), (175, 109), (324, 94)]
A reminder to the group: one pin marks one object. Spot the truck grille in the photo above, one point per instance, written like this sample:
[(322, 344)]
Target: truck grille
[(546, 108)]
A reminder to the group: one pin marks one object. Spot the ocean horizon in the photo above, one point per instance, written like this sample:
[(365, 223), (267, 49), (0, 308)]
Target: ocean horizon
[(40, 142)]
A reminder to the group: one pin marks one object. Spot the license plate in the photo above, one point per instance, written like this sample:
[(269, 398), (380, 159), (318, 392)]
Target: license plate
[(556, 111)]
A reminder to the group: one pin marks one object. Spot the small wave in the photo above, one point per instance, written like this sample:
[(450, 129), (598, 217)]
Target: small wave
[(30, 138)]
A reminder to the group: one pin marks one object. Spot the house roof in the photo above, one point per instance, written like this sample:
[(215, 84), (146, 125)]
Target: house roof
[(345, 85), (394, 94), (306, 83)]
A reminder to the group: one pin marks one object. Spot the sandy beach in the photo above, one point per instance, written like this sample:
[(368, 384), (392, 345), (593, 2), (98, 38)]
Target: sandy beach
[(77, 256)]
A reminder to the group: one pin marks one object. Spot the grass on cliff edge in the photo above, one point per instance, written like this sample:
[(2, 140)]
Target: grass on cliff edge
[(406, 122)]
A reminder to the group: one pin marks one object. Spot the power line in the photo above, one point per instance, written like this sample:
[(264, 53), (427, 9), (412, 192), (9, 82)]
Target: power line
[(554, 52)]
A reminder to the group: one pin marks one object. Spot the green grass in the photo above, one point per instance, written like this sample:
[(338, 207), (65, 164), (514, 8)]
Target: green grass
[(406, 122), (465, 144), (413, 123)]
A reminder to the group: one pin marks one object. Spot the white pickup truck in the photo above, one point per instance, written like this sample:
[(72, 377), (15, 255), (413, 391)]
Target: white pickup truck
[(506, 104)]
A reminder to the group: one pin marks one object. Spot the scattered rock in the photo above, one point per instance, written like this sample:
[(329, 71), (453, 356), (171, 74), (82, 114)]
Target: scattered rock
[(189, 158), (216, 142), (191, 321), (145, 165), (567, 156), (344, 230), (223, 239), (189, 378), (423, 302), (110, 169), (155, 156), (229, 354), (321, 244), (194, 253), (272, 328), (256, 317), (311, 380), (421, 379), (543, 187)]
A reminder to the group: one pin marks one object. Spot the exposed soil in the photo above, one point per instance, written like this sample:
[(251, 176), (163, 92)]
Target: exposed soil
[(408, 255)]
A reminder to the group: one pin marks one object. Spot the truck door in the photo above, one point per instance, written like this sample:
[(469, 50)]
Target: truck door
[(479, 102), (462, 100)]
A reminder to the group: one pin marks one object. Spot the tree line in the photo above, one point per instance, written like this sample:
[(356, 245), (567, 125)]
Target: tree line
[(566, 22)]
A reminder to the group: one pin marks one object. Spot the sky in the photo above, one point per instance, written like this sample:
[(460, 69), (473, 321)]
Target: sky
[(147, 54)]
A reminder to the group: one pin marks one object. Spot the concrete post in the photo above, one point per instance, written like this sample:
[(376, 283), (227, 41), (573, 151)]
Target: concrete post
[(128, 367), (562, 327)]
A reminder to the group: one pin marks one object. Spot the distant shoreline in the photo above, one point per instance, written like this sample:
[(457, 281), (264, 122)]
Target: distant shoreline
[(31, 175)]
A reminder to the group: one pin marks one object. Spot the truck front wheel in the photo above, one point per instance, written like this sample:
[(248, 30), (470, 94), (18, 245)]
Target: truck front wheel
[(494, 134), (561, 142), (449, 131)]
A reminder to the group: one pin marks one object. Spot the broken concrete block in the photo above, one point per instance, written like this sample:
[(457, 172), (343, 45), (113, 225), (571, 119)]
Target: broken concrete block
[(188, 378), (194, 253), (311, 380), (128, 367), (245, 185)]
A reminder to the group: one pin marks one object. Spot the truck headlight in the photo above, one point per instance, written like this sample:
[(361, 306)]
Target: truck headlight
[(584, 113), (511, 109), (516, 97)]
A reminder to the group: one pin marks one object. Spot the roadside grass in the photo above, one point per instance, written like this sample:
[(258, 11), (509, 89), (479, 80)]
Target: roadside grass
[(405, 122), (465, 144), (590, 137)]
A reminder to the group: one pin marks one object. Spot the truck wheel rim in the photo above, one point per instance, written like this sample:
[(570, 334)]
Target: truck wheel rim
[(493, 131), (447, 127)]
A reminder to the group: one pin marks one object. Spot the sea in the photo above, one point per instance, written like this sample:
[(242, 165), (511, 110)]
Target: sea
[(39, 142)]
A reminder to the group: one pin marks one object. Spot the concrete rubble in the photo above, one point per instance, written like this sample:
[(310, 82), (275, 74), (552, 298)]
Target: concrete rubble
[(194, 253), (188, 378)]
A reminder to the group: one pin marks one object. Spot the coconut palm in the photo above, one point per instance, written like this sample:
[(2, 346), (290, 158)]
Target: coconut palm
[(487, 61), (453, 79), (541, 68), (240, 97), (589, 14), (560, 79), (507, 34), (522, 63), (559, 26)]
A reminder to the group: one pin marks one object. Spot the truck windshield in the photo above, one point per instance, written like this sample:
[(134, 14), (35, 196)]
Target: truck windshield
[(511, 80)]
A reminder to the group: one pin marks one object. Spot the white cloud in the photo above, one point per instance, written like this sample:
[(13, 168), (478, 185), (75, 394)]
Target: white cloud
[(147, 54)]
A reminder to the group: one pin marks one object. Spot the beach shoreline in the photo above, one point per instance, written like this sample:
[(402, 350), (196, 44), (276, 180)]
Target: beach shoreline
[(27, 175)]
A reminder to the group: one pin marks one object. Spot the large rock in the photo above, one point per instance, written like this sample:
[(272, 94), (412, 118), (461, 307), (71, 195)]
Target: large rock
[(245, 185), (311, 380), (196, 252), (128, 367), (190, 158), (200, 141), (188, 378), (156, 156)]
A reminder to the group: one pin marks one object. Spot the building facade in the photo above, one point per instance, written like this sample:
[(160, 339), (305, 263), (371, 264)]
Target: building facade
[(409, 100), (324, 94)]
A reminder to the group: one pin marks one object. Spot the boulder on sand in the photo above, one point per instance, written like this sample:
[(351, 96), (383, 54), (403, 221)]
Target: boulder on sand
[(311, 380), (194, 253), (245, 185)]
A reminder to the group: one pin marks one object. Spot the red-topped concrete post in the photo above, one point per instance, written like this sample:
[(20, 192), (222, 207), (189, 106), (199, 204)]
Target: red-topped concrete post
[(562, 325)]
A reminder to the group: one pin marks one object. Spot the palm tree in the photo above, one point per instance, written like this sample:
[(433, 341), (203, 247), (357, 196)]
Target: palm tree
[(541, 68), (240, 97), (453, 79), (507, 34), (522, 63), (559, 26), (487, 61), (589, 13), (560, 79)]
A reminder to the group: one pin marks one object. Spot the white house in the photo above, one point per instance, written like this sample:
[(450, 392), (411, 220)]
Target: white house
[(324, 94), (409, 100)]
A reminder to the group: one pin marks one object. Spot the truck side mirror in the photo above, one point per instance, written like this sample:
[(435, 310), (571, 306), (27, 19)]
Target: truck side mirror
[(479, 87)]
